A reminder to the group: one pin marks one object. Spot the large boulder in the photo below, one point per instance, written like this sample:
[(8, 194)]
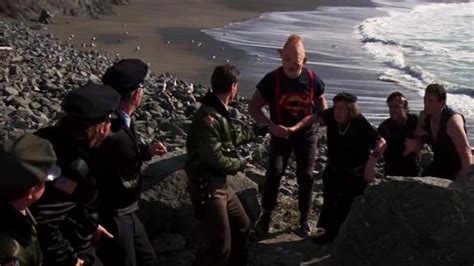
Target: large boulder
[(409, 221), (165, 206)]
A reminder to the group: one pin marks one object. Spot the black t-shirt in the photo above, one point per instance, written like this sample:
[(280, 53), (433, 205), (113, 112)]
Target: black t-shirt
[(348, 146), (395, 163), (294, 102)]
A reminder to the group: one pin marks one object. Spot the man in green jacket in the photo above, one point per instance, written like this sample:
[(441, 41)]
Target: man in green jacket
[(26, 163), (223, 223)]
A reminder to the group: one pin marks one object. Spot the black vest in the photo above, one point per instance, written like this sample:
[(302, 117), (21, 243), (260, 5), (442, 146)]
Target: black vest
[(446, 163)]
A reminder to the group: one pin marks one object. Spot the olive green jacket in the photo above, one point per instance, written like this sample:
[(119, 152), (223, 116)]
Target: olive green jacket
[(212, 140), (18, 238)]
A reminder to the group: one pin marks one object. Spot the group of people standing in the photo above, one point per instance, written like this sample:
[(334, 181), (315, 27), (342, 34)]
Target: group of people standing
[(87, 166), (70, 191), (296, 103)]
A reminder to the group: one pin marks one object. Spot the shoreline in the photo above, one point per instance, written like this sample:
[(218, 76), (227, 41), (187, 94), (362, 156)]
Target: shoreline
[(165, 32)]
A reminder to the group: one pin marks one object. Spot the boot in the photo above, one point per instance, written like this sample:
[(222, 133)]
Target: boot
[(263, 224), (305, 227)]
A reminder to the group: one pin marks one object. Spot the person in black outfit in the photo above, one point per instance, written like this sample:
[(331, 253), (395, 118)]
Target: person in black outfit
[(67, 214), (120, 158), (350, 138), (395, 130), (293, 93), (445, 130)]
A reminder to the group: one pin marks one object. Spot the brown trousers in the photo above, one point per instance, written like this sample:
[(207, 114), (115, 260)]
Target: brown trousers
[(223, 228)]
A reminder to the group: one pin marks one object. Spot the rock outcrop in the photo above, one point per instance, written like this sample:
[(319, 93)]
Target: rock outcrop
[(32, 9), (409, 221), (165, 207)]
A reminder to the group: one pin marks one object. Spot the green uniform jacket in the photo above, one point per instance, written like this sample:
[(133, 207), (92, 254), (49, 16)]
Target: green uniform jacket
[(18, 238), (212, 140)]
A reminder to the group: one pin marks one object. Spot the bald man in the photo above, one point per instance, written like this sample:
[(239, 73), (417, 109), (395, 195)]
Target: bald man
[(294, 94)]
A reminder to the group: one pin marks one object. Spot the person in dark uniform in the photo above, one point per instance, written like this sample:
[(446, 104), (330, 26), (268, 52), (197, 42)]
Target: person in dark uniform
[(67, 214), (119, 181), (445, 130), (26, 164), (293, 94), (211, 148), (396, 130), (350, 139)]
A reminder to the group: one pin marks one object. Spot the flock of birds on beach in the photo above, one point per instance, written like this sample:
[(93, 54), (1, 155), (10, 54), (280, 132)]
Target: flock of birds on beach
[(195, 43)]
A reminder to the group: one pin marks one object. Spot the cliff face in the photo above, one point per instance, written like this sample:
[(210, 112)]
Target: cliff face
[(31, 9)]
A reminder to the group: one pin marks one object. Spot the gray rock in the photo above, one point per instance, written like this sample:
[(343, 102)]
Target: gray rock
[(409, 221)]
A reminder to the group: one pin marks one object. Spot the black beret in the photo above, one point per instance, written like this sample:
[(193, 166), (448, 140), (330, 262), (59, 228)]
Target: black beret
[(92, 102), (125, 75), (345, 97)]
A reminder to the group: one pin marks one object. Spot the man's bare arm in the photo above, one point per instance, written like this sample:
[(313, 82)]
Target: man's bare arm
[(255, 110), (455, 130)]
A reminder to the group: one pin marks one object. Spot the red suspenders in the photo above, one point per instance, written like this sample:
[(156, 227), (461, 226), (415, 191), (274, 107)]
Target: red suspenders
[(278, 93)]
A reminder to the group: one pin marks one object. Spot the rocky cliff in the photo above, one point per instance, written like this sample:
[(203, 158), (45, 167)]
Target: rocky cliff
[(31, 9)]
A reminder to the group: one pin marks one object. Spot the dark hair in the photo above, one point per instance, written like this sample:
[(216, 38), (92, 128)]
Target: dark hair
[(223, 77), (437, 90), (398, 94)]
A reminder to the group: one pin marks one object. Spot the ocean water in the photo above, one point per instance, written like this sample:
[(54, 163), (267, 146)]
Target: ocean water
[(370, 51)]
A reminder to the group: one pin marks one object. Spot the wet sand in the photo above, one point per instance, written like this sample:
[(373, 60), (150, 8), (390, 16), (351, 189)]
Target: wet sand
[(169, 35)]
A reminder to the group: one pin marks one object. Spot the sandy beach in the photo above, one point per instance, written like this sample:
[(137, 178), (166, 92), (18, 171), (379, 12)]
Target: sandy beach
[(169, 33)]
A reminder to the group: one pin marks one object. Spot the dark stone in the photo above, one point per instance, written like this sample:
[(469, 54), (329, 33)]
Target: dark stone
[(409, 221)]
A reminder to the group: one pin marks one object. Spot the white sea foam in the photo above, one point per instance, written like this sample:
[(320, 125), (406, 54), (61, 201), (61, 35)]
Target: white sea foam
[(410, 43)]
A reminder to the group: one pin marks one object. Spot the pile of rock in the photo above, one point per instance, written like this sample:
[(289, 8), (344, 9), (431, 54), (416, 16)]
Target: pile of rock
[(409, 221), (37, 72), (35, 10)]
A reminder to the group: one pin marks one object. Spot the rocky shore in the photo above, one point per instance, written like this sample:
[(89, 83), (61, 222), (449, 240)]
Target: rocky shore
[(32, 9), (36, 71)]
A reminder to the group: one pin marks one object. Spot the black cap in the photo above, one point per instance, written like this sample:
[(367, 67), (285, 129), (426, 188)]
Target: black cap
[(126, 75), (92, 102), (345, 97), (27, 161)]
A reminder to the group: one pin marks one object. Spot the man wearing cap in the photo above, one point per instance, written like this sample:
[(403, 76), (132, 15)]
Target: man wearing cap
[(293, 93), (26, 164), (350, 139), (67, 214), (120, 158)]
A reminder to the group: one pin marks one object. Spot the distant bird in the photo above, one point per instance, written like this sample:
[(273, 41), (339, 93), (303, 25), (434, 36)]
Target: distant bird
[(227, 60), (222, 47), (84, 45), (93, 45), (168, 42), (71, 36), (199, 44), (213, 57), (192, 41), (125, 33), (93, 38), (117, 55), (137, 49), (124, 25), (148, 64)]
